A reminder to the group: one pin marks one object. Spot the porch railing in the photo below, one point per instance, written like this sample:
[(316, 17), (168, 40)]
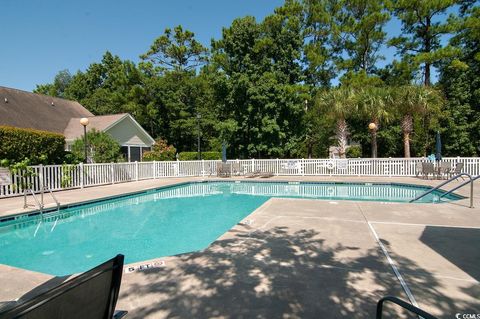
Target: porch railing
[(59, 177)]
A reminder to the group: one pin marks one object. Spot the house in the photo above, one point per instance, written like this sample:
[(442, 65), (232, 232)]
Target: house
[(41, 112)]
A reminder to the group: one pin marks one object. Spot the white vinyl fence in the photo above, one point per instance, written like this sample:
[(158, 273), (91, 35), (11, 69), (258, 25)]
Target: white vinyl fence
[(58, 177)]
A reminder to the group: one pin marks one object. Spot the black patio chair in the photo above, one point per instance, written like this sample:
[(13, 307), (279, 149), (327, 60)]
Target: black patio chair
[(92, 295), (421, 313)]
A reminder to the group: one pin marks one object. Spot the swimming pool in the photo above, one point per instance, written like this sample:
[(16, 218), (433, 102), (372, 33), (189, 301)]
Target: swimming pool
[(162, 222)]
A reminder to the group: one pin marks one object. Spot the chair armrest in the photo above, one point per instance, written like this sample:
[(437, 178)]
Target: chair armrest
[(403, 304), (119, 314)]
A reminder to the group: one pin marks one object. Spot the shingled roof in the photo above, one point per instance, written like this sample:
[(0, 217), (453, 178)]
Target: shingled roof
[(30, 110), (74, 129)]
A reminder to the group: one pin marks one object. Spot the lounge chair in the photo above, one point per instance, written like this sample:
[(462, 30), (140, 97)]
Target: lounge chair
[(266, 174), (255, 173), (92, 295)]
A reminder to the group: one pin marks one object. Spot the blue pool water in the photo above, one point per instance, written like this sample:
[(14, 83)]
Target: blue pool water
[(158, 223)]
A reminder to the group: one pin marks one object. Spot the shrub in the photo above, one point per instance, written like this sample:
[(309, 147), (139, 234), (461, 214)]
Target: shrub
[(21, 168), (354, 151), (39, 147), (192, 156), (161, 151), (102, 148)]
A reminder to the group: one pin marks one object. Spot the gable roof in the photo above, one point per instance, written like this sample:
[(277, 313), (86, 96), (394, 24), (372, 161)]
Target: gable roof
[(109, 123), (37, 111), (74, 129)]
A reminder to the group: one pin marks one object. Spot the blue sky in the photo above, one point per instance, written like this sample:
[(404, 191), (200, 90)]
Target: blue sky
[(41, 37)]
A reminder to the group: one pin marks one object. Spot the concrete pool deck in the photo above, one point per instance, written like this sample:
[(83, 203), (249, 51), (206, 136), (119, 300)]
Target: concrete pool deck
[(301, 258)]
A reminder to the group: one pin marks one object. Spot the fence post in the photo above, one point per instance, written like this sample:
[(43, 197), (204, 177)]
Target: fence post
[(154, 170), (40, 176), (302, 167), (253, 165), (40, 182), (203, 167), (389, 167), (112, 173), (136, 170), (81, 175), (277, 167)]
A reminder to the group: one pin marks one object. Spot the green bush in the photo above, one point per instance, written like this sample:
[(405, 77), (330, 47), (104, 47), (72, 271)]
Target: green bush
[(354, 151), (161, 151), (39, 147), (102, 148), (192, 156)]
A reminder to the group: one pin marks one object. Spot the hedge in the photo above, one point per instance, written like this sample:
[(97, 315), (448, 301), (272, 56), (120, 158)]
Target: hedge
[(16, 144), (192, 156)]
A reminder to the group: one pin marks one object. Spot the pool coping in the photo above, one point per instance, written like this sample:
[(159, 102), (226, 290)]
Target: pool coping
[(33, 278), (24, 216)]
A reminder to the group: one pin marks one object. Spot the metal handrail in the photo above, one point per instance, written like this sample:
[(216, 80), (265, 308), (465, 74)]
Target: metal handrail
[(40, 205), (459, 186), (447, 182), (421, 313), (45, 188)]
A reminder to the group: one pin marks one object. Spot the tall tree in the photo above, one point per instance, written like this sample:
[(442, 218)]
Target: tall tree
[(375, 104), (340, 104), (177, 51), (461, 84), (179, 93), (258, 83), (422, 29), (361, 24), (411, 101), (321, 36), (57, 88), (103, 88)]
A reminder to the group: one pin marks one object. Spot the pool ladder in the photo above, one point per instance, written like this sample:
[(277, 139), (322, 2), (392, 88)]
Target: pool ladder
[(454, 178), (39, 203)]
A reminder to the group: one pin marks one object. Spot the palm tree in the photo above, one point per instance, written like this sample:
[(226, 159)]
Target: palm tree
[(375, 104), (339, 103), (414, 100)]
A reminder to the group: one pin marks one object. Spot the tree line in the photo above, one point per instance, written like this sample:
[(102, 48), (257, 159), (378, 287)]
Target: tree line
[(306, 77)]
